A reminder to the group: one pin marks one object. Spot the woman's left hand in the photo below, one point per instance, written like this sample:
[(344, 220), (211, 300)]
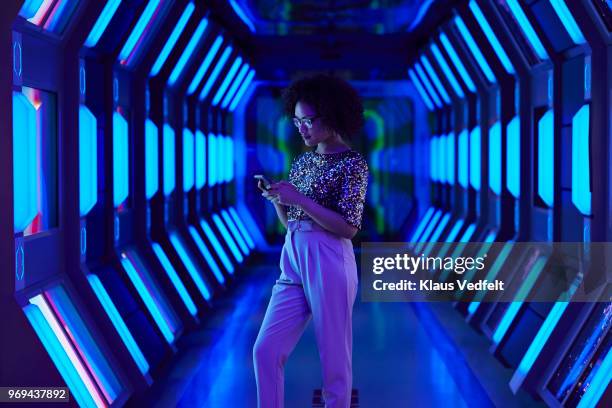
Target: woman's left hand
[(286, 193)]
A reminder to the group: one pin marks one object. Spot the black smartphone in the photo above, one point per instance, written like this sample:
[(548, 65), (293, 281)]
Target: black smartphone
[(264, 180)]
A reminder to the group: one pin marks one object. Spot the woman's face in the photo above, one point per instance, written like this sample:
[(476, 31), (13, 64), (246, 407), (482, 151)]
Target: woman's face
[(310, 126)]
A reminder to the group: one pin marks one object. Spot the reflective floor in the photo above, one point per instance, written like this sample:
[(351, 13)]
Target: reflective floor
[(402, 357)]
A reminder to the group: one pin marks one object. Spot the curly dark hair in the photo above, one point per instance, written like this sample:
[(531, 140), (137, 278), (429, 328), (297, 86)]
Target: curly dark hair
[(335, 101)]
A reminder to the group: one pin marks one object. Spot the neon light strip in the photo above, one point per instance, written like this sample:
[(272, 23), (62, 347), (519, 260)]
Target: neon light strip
[(212, 159), (598, 384), (242, 90), (88, 160), (226, 82), (466, 237), (215, 73), (495, 158), (424, 221), (435, 79), (200, 163), (137, 32), (242, 15), (118, 323), (499, 262), (463, 167), (230, 94), (193, 272), (581, 193), (55, 350), (450, 158), (121, 173), (475, 153), (514, 307), (428, 230), (169, 160), (43, 8), (174, 278), (421, 91), (205, 64), (171, 42), (207, 255), (568, 21), (188, 160), (212, 238), (537, 345), (451, 238), (525, 25), (436, 234), (187, 52), (450, 50), (93, 392), (546, 169), (241, 227), (447, 71), (428, 86), (29, 8), (147, 298), (480, 59), (151, 159), (491, 37), (241, 243), (469, 275), (513, 157), (226, 235), (104, 18)]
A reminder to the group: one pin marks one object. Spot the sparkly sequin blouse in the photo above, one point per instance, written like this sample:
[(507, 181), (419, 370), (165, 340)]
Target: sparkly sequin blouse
[(337, 181)]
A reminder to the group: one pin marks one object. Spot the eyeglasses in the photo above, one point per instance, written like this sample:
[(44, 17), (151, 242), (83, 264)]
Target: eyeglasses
[(306, 121)]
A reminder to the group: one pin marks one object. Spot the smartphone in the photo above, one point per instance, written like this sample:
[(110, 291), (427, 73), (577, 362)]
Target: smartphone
[(264, 180)]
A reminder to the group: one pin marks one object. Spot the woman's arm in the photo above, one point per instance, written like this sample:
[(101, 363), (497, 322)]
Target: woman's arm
[(281, 210)]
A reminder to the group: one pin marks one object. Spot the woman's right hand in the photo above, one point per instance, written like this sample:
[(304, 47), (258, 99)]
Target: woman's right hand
[(273, 198)]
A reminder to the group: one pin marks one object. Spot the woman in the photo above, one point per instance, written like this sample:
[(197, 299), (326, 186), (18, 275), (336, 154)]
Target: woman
[(321, 205)]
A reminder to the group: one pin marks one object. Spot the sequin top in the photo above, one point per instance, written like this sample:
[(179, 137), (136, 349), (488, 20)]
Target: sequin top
[(337, 181)]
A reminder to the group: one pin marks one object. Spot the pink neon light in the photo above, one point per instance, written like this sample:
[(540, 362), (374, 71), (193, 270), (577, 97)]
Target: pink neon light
[(34, 97), (42, 12), (51, 15), (148, 284), (40, 301), (144, 34), (76, 345)]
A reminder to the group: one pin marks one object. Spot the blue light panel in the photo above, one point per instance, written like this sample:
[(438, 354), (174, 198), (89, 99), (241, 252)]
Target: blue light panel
[(242, 15), (174, 278), (493, 271), (491, 37), (525, 25), (537, 344), (435, 78), (226, 82), (441, 158), (600, 382), (151, 159), (102, 22), (212, 238), (29, 8), (241, 242), (568, 21), (232, 91), (121, 174), (447, 71), (467, 235), (212, 159), (495, 158), (455, 231), (428, 86), (24, 162), (230, 159), (124, 333), (241, 227), (227, 237), (136, 34), (215, 73), (450, 158), (480, 59), (171, 42), (436, 235), (200, 161), (242, 90), (419, 87), (463, 168), (88, 160), (546, 158), (450, 50), (212, 264), (210, 55), (513, 157), (475, 156), (188, 160), (581, 193), (187, 52), (424, 221), (424, 238), (169, 160), (189, 265)]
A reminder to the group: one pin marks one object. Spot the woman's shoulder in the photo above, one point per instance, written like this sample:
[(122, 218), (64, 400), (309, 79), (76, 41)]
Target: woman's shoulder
[(354, 158)]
